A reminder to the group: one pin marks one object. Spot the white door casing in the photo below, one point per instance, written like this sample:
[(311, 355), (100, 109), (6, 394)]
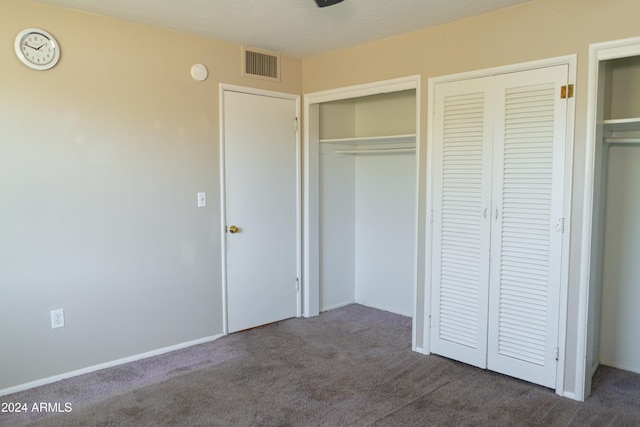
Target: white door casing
[(261, 197)]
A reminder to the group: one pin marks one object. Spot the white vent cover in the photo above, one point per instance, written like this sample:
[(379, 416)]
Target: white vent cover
[(260, 64)]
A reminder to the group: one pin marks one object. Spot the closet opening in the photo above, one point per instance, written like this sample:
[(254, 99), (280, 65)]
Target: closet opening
[(614, 285), (361, 198)]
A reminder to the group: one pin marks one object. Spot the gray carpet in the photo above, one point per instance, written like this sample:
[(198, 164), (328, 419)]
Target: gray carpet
[(349, 366)]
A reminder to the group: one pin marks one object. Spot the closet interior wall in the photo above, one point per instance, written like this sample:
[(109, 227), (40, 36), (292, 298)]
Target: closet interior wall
[(368, 202), (617, 210)]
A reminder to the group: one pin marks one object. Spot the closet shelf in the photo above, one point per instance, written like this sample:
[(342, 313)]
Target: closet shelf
[(622, 125), (622, 131), (371, 140)]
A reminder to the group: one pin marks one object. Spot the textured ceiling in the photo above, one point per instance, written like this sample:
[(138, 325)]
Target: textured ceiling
[(293, 27)]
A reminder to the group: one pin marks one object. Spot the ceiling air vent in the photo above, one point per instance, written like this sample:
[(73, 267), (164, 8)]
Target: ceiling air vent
[(260, 64)]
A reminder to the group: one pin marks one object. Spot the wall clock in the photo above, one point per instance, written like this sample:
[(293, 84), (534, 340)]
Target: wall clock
[(37, 49)]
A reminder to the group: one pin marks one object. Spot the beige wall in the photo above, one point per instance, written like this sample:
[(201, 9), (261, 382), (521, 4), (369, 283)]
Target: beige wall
[(101, 158), (536, 30)]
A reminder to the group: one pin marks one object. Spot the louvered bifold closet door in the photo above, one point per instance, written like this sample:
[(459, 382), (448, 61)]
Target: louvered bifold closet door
[(462, 186), (526, 241)]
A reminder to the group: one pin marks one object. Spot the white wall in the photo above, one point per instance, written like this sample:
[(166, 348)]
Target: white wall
[(337, 228), (337, 207), (620, 341), (385, 231)]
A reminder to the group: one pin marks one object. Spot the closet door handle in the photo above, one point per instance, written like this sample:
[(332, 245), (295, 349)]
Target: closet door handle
[(484, 213), (496, 213)]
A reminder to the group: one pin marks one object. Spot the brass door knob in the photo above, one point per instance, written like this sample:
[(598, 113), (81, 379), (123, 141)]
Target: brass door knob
[(233, 229)]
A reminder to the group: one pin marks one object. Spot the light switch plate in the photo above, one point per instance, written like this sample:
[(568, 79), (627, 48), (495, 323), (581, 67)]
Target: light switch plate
[(202, 199)]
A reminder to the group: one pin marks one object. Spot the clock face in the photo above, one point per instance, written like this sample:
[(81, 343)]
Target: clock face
[(37, 49)]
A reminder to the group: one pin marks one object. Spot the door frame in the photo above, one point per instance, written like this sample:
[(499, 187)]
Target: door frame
[(588, 302), (311, 232), (571, 62), (223, 87)]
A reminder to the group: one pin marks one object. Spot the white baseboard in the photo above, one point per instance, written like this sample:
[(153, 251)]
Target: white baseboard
[(633, 369), (366, 304), (420, 350), (569, 394), (105, 365), (378, 307), (331, 307)]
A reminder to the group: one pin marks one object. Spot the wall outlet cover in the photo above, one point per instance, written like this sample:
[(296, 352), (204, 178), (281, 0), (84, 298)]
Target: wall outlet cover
[(57, 318)]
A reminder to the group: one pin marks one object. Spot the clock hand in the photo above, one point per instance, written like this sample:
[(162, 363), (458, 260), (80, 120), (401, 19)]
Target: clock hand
[(28, 45), (41, 46)]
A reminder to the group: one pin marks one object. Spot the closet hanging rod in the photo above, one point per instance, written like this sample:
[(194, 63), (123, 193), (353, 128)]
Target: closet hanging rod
[(377, 150), (390, 139), (613, 140)]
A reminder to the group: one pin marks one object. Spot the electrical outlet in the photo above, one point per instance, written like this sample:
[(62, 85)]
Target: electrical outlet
[(57, 318)]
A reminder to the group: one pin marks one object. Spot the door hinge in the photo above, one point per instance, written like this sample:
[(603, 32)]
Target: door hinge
[(297, 284), (433, 216), (566, 91), (296, 125), (560, 225), (557, 353)]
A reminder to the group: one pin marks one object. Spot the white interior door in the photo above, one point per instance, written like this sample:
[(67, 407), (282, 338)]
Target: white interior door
[(461, 224), (260, 167), (526, 253)]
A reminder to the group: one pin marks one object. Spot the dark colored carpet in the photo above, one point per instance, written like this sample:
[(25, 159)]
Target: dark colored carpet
[(349, 366)]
